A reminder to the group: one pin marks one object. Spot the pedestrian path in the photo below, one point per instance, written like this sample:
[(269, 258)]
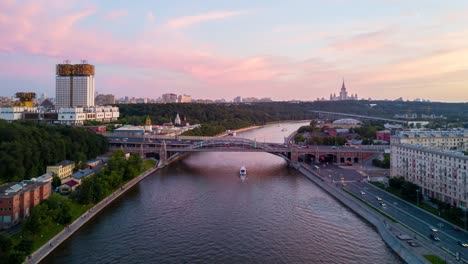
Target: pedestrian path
[(43, 251)]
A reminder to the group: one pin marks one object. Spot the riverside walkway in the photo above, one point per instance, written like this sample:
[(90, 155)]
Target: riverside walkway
[(43, 251)]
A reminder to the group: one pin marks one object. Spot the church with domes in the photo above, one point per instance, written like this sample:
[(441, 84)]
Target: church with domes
[(343, 95)]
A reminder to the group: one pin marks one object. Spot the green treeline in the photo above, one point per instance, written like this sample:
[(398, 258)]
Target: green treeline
[(54, 214), (27, 148), (117, 172), (217, 118)]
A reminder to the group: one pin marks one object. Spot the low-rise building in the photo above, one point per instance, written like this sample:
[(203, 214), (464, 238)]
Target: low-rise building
[(62, 169), (66, 115), (68, 186), (17, 200), (82, 174), (383, 135)]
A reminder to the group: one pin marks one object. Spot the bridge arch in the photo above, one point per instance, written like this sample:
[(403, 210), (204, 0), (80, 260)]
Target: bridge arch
[(233, 145)]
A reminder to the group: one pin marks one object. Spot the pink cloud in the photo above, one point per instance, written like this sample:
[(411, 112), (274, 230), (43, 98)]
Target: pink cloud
[(150, 16), (116, 14), (187, 21), (184, 66)]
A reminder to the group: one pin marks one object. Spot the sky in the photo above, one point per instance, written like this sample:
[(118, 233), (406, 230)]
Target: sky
[(295, 49)]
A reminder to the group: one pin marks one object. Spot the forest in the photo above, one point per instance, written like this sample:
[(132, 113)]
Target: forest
[(219, 117), (27, 148)]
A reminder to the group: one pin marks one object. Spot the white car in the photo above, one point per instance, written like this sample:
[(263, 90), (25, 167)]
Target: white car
[(378, 198), (362, 193), (433, 229)]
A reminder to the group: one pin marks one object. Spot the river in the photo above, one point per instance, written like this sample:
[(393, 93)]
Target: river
[(199, 210)]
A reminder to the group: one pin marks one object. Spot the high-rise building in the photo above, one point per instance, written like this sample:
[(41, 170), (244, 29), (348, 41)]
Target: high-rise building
[(74, 85), (185, 99), (105, 99), (237, 99), (343, 95), (169, 98)]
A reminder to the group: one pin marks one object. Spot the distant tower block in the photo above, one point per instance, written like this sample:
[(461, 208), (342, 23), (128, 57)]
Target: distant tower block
[(74, 85), (148, 125)]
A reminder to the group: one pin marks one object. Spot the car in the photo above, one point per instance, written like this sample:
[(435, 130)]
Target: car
[(462, 244), (383, 204), (349, 163), (362, 193), (378, 198), (434, 237), (433, 229), (456, 228)]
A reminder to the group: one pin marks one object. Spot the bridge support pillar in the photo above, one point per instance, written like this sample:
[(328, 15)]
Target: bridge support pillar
[(163, 154), (294, 156)]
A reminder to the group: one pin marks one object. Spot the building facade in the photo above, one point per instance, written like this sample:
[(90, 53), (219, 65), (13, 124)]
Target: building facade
[(104, 99), (185, 99), (435, 162), (63, 170), (444, 140), (17, 200), (440, 174), (343, 95), (64, 115), (74, 85), (169, 98)]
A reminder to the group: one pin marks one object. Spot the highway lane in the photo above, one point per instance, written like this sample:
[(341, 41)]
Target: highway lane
[(413, 217)]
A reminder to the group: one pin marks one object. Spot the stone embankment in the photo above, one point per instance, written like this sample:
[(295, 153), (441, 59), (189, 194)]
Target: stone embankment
[(382, 225), (68, 231)]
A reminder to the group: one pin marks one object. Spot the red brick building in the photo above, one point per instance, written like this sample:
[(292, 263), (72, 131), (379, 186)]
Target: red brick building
[(17, 200), (97, 129), (383, 135)]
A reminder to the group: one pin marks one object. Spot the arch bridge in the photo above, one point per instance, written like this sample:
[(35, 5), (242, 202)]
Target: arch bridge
[(169, 148)]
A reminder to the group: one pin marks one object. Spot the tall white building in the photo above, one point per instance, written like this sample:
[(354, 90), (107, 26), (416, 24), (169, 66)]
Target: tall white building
[(74, 85), (83, 91)]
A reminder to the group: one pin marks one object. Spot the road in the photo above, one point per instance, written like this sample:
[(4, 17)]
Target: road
[(413, 217)]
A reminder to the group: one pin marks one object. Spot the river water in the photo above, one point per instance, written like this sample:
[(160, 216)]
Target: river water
[(198, 210)]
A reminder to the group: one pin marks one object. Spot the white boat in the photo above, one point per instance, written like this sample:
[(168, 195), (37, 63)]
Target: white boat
[(243, 171)]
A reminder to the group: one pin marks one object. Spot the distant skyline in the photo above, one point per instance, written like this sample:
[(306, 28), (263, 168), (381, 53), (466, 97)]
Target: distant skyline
[(221, 49)]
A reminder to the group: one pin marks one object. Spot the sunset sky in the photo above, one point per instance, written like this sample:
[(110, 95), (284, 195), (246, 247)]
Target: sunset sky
[(295, 49)]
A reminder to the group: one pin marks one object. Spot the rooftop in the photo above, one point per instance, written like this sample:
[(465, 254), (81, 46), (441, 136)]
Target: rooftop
[(432, 133), (65, 163), (71, 183), (13, 188), (449, 153), (82, 174)]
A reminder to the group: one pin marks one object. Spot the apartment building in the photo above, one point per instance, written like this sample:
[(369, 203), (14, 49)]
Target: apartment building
[(17, 200)]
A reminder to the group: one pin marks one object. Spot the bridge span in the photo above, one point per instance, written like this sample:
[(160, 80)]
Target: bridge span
[(360, 116), (167, 148)]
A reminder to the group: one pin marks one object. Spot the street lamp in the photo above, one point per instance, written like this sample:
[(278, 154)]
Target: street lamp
[(417, 196)]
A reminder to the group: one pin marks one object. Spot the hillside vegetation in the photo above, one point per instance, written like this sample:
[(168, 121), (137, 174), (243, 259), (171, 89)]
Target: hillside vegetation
[(217, 118), (26, 148)]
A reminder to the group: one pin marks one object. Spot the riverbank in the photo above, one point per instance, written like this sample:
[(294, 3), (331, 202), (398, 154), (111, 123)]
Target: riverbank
[(387, 229), (68, 231)]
